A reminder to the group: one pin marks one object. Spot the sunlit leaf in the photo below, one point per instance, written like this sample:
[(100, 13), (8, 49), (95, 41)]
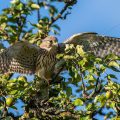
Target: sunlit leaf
[(35, 6), (78, 102)]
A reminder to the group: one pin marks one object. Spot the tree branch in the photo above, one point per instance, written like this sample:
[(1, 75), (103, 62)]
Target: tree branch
[(53, 19), (38, 11)]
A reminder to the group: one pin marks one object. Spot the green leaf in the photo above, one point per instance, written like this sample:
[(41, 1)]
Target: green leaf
[(12, 80), (11, 85), (56, 27), (90, 77), (15, 1), (90, 87), (113, 63), (111, 76), (80, 51), (19, 7), (1, 107), (112, 104), (89, 106), (6, 10), (96, 98), (69, 91), (114, 69), (55, 32), (78, 102), (52, 10), (13, 92), (14, 107), (35, 6)]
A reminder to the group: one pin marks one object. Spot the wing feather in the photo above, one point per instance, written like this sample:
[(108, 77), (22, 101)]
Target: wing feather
[(20, 57), (98, 44)]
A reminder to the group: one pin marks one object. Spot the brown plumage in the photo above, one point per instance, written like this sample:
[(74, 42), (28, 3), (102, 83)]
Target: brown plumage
[(26, 58)]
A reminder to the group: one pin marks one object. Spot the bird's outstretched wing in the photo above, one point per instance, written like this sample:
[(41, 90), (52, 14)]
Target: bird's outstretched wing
[(93, 42), (20, 57)]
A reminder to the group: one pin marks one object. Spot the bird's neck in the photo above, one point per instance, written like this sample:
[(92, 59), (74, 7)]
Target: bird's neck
[(52, 50)]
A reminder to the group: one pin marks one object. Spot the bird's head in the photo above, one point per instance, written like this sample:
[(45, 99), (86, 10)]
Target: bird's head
[(49, 43)]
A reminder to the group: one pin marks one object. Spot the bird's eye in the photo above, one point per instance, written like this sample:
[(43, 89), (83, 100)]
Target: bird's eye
[(50, 41)]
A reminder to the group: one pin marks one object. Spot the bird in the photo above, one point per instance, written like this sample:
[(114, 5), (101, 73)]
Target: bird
[(24, 57)]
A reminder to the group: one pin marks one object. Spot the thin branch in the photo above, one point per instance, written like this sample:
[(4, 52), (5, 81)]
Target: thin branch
[(96, 90), (53, 19), (38, 11), (21, 25), (97, 112), (83, 85)]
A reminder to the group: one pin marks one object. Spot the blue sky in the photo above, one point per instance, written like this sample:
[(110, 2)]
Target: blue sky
[(101, 16)]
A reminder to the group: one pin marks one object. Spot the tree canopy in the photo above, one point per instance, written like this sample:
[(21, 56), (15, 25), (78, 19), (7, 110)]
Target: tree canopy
[(83, 86)]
